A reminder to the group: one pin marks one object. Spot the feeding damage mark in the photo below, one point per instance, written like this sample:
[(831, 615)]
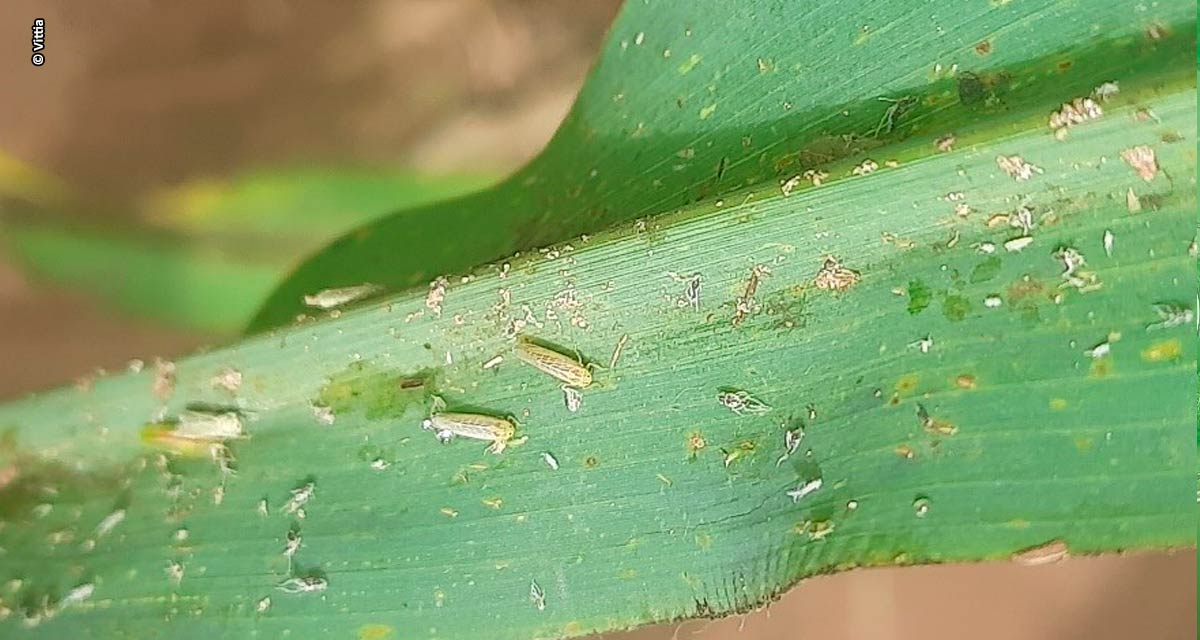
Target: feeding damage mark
[(834, 277), (741, 402), (1143, 160), (747, 305), (933, 425), (375, 392)]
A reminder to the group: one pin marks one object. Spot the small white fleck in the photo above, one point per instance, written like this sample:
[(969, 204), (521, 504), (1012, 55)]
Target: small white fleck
[(789, 185), (228, 379), (323, 414), (815, 176), (924, 344), (572, 398), (175, 571), (992, 301), (77, 595), (550, 460), (436, 295), (495, 360), (263, 605), (307, 584), (1017, 168), (1100, 350), (537, 596), (868, 166), (1017, 244), (1108, 242), (805, 489), (300, 496), (1106, 91), (109, 522)]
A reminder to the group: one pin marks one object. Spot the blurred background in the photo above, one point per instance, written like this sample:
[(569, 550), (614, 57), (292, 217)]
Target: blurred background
[(169, 154)]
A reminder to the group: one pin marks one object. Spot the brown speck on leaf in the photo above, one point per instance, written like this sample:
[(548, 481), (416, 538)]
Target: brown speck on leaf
[(1143, 160), (1132, 201), (227, 379), (945, 143), (164, 379), (835, 277), (983, 48), (965, 381), (746, 304), (436, 295), (1075, 112), (1017, 168)]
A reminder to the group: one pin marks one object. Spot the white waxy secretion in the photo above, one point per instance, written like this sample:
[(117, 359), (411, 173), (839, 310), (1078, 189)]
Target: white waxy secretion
[(536, 595), (306, 584), (1017, 244), (805, 489), (741, 402), (300, 497)]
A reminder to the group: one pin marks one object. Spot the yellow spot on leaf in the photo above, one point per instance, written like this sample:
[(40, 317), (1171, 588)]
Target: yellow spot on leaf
[(705, 112), (907, 382), (965, 381), (1058, 404), (375, 632), (1101, 368), (1017, 523), (703, 540), (1084, 443), (1163, 350), (627, 574), (689, 64), (572, 628)]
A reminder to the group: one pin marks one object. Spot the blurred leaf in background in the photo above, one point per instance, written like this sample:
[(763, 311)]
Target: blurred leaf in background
[(204, 254)]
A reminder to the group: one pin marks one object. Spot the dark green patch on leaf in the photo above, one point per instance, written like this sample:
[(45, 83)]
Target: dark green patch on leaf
[(955, 308), (378, 394), (985, 270), (919, 296)]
